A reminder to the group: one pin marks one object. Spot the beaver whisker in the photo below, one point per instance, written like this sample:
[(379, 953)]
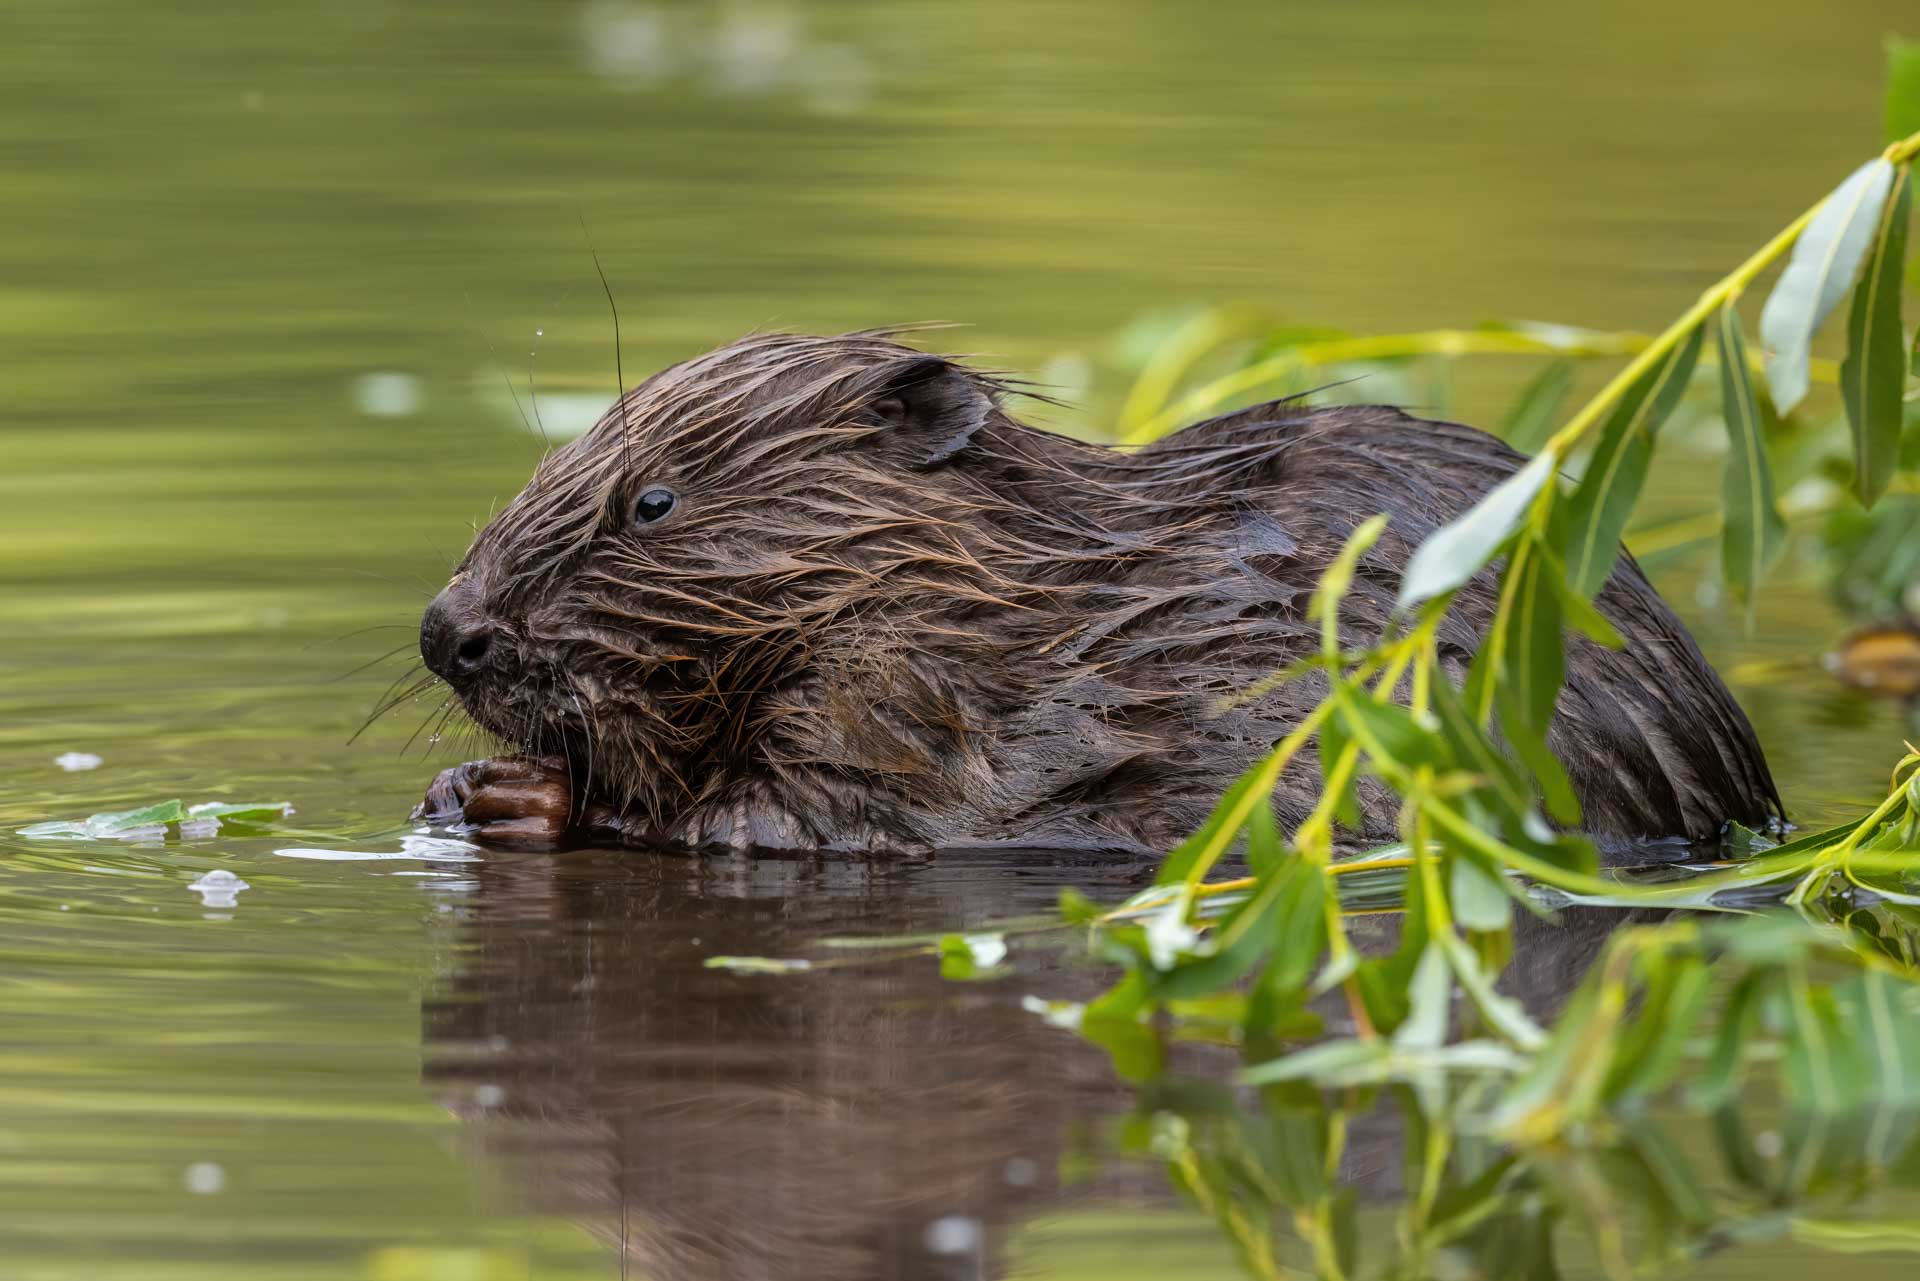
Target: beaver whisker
[(415, 681)]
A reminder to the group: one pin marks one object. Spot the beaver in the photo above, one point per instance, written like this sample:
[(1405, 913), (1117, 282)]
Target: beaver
[(806, 593)]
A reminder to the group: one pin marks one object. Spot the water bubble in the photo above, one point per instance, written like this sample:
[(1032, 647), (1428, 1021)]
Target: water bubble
[(204, 1178), (954, 1234), (629, 44), (387, 395), (754, 47), (489, 1096), (71, 761), (219, 888), (539, 333), (834, 79)]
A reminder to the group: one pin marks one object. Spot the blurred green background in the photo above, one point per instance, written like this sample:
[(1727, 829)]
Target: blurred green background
[(266, 266)]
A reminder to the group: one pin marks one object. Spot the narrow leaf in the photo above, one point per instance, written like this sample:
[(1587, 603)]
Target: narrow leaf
[(1598, 510), (1333, 738), (1534, 664), (1825, 260), (1460, 549), (1429, 1003), (1532, 417), (1873, 375), (1753, 531), (1530, 745), (1903, 88)]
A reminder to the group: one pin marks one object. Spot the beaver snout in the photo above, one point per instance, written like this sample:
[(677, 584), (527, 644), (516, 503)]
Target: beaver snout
[(456, 637)]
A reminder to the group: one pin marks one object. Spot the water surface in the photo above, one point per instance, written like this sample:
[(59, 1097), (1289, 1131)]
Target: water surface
[(265, 266)]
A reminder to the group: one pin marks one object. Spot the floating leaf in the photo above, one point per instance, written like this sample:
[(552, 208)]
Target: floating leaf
[(758, 964), (1460, 549), (1531, 419), (241, 811), (1883, 660), (1873, 375), (1597, 510), (1826, 257), (1753, 532), (971, 957), (137, 822)]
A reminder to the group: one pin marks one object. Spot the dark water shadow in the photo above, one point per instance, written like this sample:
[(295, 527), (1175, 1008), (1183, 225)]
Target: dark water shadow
[(869, 1121)]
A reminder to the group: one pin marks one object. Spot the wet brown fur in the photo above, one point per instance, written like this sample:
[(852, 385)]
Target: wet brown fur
[(884, 614)]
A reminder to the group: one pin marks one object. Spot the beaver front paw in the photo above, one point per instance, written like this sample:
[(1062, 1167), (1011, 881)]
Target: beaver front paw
[(523, 802)]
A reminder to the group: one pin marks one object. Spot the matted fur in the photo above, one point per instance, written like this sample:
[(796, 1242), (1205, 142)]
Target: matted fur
[(885, 614)]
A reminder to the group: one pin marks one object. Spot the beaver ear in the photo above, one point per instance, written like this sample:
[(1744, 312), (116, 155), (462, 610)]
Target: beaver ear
[(929, 407)]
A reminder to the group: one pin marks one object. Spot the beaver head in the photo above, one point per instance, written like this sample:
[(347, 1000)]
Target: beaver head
[(743, 545)]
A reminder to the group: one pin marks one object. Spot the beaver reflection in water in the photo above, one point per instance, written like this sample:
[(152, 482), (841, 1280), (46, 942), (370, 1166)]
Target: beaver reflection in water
[(806, 593)]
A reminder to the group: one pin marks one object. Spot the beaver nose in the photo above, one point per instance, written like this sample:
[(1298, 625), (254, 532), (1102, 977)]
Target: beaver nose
[(455, 638)]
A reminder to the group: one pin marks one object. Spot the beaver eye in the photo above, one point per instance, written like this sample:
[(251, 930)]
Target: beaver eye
[(652, 505)]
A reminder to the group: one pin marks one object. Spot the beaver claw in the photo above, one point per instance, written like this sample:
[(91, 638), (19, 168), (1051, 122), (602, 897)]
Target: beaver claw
[(524, 802)]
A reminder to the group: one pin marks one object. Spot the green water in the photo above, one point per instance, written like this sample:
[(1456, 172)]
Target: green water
[(222, 220)]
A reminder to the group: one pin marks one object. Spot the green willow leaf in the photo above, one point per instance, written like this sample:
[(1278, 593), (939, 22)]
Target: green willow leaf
[(1826, 257), (1726, 1067), (1581, 613), (1823, 1070), (1479, 898), (1477, 752), (1534, 663), (1461, 548), (1333, 739), (1903, 88), (1873, 375), (1599, 507), (1753, 532), (1532, 417), (1646, 1058), (1528, 742), (1180, 859), (1388, 731)]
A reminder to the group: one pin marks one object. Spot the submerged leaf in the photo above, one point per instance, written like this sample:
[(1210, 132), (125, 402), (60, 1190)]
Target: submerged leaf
[(1873, 375), (1826, 257), (1458, 550), (1753, 532)]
